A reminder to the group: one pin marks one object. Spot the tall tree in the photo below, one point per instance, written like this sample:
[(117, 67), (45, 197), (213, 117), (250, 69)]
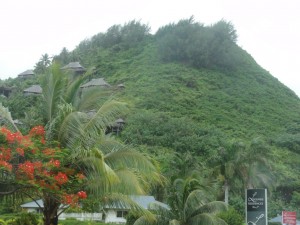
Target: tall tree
[(244, 166), (42, 65)]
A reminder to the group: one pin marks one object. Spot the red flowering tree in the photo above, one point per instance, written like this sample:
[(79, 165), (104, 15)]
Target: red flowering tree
[(39, 170)]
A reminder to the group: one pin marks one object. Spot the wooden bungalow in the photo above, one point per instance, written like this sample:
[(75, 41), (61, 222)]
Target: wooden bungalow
[(120, 86), (100, 82), (33, 90), (26, 74), (75, 67), (5, 91)]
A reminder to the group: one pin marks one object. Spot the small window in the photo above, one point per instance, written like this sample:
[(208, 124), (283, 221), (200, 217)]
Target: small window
[(121, 214)]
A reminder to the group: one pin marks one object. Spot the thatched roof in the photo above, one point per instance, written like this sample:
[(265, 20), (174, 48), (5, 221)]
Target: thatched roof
[(17, 122), (27, 73), (34, 89), (121, 86), (95, 82), (118, 121), (74, 66)]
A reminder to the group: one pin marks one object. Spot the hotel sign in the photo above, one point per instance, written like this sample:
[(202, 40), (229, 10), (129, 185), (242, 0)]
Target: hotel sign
[(256, 207)]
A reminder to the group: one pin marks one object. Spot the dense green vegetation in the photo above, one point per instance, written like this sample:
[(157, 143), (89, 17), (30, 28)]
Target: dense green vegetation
[(195, 99)]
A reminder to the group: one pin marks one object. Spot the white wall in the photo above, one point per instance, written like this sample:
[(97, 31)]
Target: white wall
[(82, 216), (111, 217)]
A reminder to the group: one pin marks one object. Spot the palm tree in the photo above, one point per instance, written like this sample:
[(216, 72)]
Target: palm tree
[(245, 166), (42, 65), (190, 205)]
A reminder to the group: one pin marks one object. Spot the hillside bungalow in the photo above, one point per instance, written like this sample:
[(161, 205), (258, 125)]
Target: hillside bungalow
[(100, 82), (26, 74), (33, 90), (114, 213), (117, 127), (121, 86), (5, 91), (75, 67)]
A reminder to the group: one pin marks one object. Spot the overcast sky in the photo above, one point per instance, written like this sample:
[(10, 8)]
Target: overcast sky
[(268, 29)]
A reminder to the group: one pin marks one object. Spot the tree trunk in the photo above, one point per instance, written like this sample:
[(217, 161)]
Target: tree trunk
[(226, 192), (50, 210)]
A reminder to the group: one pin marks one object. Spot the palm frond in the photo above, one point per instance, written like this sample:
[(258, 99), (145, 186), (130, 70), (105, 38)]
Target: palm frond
[(205, 219), (105, 116), (194, 201), (92, 99), (6, 117), (73, 90), (53, 87)]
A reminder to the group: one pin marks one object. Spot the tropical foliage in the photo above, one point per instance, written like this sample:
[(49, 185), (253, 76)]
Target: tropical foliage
[(189, 204)]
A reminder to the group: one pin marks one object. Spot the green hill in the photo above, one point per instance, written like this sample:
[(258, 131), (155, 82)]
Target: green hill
[(191, 88)]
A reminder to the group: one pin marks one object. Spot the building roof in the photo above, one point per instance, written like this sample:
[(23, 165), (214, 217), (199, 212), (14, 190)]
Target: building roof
[(33, 204), (26, 73), (18, 122), (95, 82), (120, 120), (146, 202), (35, 89), (74, 66)]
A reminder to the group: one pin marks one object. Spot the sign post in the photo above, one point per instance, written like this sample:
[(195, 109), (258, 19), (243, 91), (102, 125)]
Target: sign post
[(289, 218), (256, 207)]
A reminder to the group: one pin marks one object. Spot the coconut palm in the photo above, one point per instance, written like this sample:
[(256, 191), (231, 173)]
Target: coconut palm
[(190, 205), (245, 166)]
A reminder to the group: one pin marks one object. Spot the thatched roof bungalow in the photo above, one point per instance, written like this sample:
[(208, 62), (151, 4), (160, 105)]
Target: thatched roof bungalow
[(26, 74), (100, 82), (34, 89), (75, 67), (5, 91)]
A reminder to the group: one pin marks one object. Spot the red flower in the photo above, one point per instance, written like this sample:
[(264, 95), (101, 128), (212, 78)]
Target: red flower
[(61, 178), (27, 168), (37, 131), (5, 153), (82, 194), (20, 151), (6, 165), (80, 176), (55, 163), (49, 151)]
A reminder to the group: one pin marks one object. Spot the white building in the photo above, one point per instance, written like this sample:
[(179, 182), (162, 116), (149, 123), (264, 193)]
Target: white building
[(114, 213)]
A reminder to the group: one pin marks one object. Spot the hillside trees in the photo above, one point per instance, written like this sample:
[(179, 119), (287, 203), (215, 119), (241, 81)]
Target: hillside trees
[(197, 45)]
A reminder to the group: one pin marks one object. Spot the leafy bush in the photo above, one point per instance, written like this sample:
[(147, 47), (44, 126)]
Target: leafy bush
[(2, 222), (27, 219), (232, 217)]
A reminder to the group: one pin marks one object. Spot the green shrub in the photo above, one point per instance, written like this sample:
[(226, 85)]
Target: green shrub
[(27, 219), (232, 217), (2, 222), (11, 222)]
